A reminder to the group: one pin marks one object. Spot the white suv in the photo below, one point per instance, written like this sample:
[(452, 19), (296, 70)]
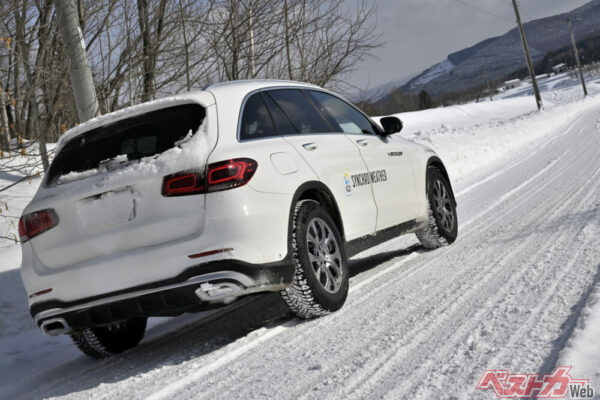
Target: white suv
[(192, 201)]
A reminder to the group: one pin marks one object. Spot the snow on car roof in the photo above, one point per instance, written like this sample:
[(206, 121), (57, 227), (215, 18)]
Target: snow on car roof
[(201, 97)]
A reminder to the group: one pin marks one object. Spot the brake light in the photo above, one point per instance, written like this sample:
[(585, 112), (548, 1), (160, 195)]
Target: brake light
[(36, 223), (22, 229), (183, 184), (230, 174), (220, 176)]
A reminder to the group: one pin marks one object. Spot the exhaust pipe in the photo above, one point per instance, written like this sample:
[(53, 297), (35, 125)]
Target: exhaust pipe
[(222, 291), (54, 326)]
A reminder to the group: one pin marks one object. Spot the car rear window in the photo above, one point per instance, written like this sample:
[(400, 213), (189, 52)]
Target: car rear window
[(127, 140)]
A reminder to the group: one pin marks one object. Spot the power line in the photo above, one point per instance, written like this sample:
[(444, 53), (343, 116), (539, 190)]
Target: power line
[(483, 11), (506, 2)]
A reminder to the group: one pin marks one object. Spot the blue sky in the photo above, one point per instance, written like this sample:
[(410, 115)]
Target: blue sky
[(420, 33)]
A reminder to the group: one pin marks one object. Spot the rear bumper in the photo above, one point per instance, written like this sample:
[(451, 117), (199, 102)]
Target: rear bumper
[(252, 226), (198, 288)]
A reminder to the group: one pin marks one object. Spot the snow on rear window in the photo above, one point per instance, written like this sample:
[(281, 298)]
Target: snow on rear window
[(119, 144)]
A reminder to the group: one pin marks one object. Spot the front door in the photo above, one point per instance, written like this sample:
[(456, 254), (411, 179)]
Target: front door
[(331, 156), (390, 172)]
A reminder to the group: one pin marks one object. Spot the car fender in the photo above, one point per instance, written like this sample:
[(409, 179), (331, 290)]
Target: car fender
[(318, 191), (422, 158)]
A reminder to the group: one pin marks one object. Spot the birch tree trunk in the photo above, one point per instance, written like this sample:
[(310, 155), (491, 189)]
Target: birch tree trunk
[(82, 81)]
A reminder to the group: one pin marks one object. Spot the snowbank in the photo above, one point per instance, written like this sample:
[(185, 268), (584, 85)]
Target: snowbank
[(467, 115), (476, 139), (582, 351)]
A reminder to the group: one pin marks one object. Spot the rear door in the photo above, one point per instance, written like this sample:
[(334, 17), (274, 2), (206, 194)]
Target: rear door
[(390, 171), (106, 186), (331, 156)]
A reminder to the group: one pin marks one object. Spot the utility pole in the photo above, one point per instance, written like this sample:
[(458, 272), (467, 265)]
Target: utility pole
[(79, 71), (536, 90), (585, 92)]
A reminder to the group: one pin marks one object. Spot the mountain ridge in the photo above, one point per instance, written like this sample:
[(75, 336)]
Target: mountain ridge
[(498, 57)]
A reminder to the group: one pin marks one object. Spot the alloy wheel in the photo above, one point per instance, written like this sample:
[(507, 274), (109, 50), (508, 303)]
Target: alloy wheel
[(324, 255)]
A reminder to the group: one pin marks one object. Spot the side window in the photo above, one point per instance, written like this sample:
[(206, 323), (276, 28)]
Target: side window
[(303, 115), (256, 120), (282, 122), (347, 117)]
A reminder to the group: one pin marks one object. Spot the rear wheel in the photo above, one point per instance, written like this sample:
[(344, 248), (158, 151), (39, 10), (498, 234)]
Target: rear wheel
[(442, 225), (105, 341), (321, 279)]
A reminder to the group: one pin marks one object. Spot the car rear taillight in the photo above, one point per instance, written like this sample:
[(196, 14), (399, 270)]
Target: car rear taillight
[(220, 176), (36, 223), (230, 174), (183, 184)]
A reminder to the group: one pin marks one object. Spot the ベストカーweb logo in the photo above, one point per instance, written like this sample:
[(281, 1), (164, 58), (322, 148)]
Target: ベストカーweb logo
[(558, 384)]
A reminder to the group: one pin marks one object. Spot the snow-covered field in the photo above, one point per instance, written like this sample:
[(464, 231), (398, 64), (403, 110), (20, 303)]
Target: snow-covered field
[(519, 290)]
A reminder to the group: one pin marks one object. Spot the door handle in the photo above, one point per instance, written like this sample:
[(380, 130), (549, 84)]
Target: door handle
[(363, 142), (310, 146)]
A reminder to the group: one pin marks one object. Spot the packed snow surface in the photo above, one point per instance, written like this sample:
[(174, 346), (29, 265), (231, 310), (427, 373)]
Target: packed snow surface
[(518, 291)]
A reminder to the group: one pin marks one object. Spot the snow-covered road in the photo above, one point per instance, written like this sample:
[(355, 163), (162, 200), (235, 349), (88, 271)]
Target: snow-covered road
[(417, 324)]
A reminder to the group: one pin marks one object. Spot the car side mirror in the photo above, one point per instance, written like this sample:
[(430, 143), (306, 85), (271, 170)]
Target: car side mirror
[(391, 125)]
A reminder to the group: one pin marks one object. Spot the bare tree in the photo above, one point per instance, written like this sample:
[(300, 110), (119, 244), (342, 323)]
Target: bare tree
[(151, 40), (141, 50)]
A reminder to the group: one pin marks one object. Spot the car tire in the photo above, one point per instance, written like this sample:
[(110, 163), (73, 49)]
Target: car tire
[(442, 223), (321, 278), (105, 341)]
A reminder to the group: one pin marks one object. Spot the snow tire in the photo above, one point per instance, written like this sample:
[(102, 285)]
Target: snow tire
[(307, 297), (105, 341), (442, 223)]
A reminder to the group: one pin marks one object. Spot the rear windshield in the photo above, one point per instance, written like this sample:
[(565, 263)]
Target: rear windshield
[(126, 140)]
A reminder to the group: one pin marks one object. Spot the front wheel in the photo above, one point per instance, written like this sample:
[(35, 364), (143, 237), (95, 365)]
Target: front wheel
[(105, 341), (321, 279), (442, 224)]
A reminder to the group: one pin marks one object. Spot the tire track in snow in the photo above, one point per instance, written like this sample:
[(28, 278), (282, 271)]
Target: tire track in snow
[(194, 375), (517, 283), (470, 321)]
